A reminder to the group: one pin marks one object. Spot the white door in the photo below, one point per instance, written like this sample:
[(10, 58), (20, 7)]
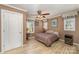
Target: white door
[(12, 30), (16, 30), (5, 30)]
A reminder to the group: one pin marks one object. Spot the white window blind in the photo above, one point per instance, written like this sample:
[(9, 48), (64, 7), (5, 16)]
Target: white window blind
[(30, 26), (69, 24)]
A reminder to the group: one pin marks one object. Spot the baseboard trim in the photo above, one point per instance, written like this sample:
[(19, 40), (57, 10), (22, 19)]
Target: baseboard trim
[(61, 40), (73, 43), (1, 52), (76, 44)]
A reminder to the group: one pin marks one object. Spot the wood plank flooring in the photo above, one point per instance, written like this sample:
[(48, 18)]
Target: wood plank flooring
[(35, 47)]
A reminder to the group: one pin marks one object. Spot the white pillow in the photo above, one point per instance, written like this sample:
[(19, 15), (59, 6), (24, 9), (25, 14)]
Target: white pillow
[(49, 31), (56, 33)]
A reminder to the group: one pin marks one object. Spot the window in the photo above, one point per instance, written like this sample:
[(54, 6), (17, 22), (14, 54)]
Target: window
[(30, 26), (54, 23), (69, 24)]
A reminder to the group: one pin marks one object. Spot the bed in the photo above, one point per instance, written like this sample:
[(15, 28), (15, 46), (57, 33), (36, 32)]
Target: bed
[(47, 38)]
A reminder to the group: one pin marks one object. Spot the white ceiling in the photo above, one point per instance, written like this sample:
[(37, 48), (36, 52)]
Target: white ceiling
[(31, 8), (53, 9)]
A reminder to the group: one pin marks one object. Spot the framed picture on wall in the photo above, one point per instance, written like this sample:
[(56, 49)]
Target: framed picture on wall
[(54, 23)]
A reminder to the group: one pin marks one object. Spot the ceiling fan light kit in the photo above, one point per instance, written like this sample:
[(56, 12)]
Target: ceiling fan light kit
[(41, 16)]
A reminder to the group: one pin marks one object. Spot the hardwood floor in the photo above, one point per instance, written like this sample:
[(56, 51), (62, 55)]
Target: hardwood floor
[(35, 47)]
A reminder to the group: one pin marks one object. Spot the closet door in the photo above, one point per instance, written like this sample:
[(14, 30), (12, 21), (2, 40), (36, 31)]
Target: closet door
[(16, 30), (6, 44), (20, 30), (12, 30)]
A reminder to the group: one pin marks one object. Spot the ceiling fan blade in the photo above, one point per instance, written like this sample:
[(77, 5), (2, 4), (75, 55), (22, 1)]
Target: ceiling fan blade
[(46, 14)]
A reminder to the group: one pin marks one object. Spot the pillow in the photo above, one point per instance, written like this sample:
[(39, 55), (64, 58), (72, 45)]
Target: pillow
[(52, 32), (56, 33), (49, 31)]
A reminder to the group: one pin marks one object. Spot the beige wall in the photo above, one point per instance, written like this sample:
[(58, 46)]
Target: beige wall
[(24, 20), (76, 32), (39, 27), (61, 31), (59, 26)]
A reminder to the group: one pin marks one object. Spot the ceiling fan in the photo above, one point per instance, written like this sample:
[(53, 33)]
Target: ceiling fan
[(41, 15)]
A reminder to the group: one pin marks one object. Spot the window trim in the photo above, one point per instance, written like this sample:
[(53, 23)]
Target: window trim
[(73, 20)]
